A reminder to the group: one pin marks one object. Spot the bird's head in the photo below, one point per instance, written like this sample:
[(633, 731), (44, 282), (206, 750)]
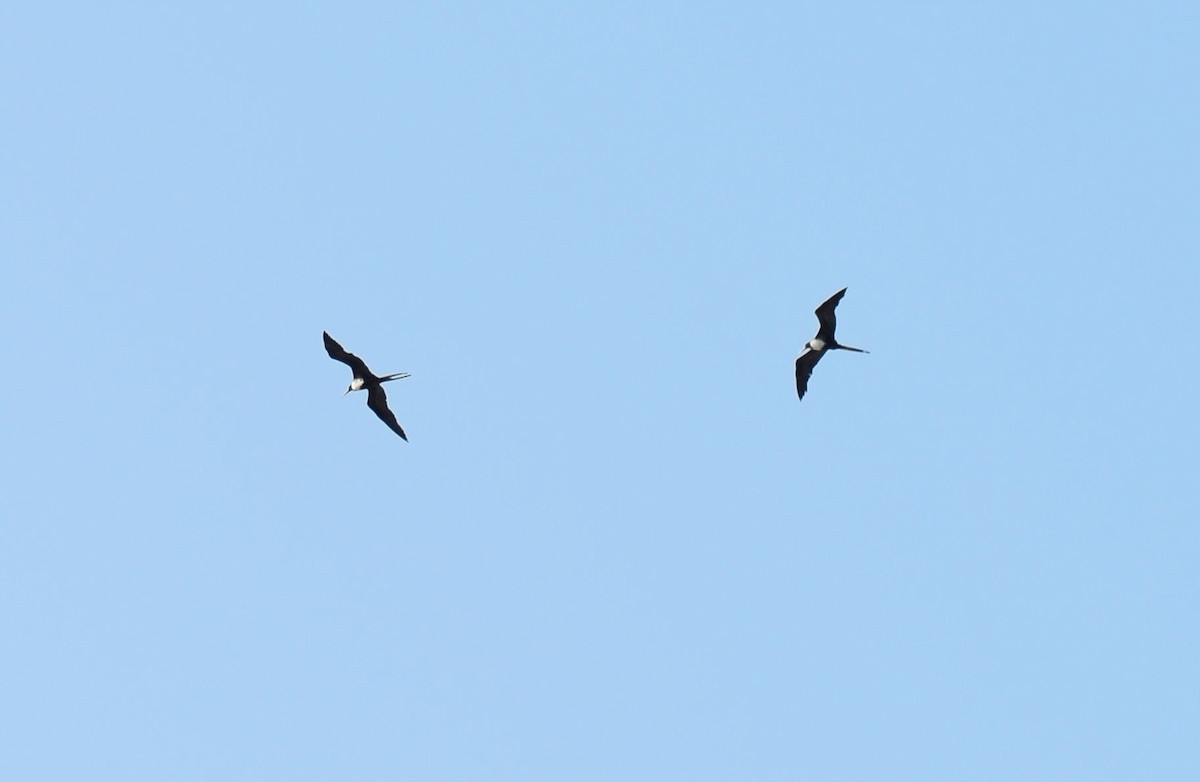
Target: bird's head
[(349, 389)]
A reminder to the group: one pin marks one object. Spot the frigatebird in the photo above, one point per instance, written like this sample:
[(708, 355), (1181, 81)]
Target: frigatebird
[(364, 378), (818, 345)]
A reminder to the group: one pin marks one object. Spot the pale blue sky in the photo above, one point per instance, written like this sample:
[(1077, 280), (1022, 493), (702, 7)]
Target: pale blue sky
[(616, 547)]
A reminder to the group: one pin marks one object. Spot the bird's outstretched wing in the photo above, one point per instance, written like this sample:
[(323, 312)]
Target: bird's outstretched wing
[(804, 367), (339, 353), (377, 401), (826, 317)]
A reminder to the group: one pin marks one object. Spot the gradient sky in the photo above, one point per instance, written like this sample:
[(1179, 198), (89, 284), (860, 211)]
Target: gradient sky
[(617, 547)]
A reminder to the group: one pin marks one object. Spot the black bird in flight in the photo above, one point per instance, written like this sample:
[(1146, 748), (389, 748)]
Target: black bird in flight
[(818, 345), (364, 378)]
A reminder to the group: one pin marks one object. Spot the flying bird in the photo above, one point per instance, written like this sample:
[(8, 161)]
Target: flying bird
[(364, 378), (820, 344)]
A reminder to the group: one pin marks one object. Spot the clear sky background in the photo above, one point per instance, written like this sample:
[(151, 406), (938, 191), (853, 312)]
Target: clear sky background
[(617, 547)]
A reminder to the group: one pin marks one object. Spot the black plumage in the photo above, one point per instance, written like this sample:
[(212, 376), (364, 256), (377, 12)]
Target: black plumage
[(824, 341), (364, 378)]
